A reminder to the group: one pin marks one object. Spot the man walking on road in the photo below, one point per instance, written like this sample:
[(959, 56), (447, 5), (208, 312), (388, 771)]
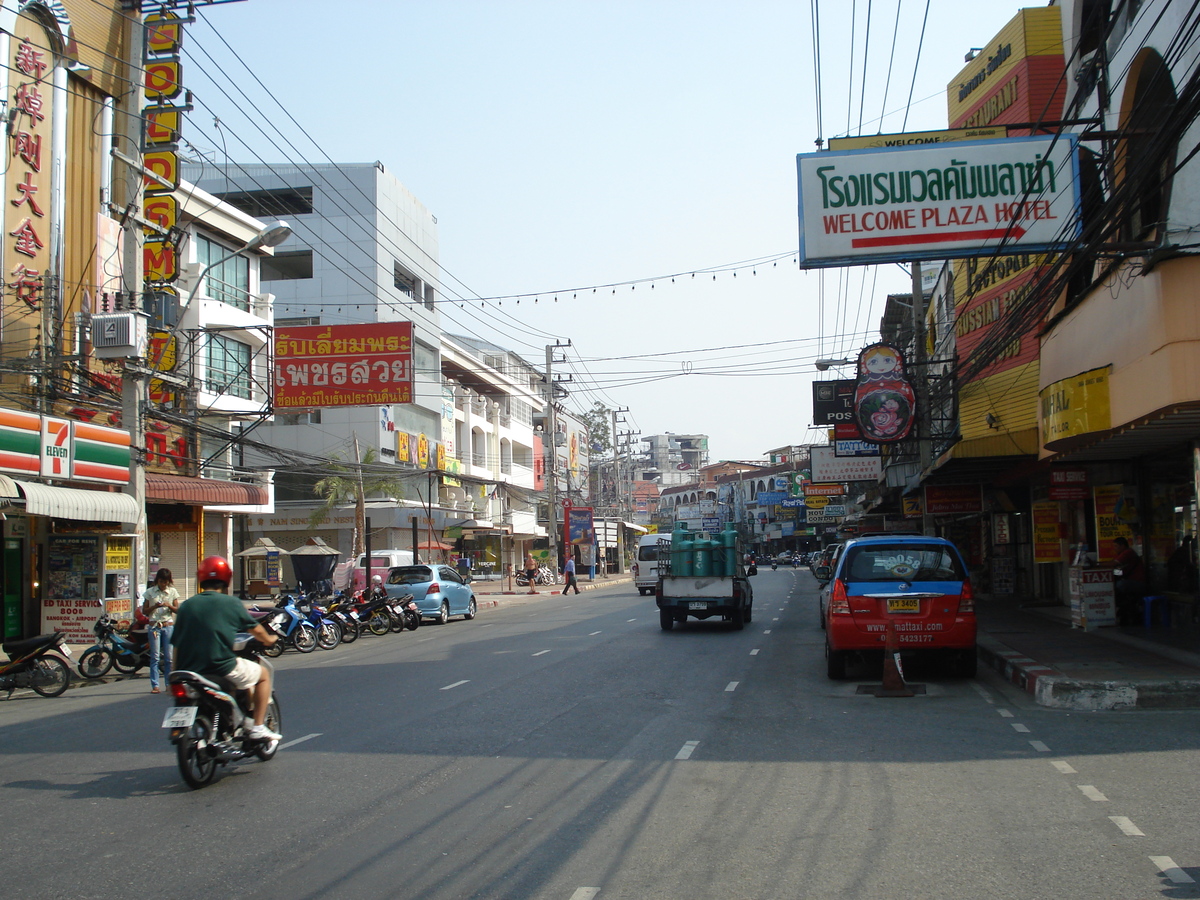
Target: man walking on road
[(569, 570)]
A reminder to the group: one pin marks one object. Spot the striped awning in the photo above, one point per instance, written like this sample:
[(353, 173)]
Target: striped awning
[(203, 491), (72, 503)]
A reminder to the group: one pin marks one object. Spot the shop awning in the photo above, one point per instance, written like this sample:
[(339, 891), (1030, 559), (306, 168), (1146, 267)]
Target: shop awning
[(72, 503), (203, 491), (636, 528), (8, 489)]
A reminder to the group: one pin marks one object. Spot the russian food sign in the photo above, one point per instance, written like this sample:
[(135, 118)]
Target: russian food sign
[(939, 201), (343, 365)]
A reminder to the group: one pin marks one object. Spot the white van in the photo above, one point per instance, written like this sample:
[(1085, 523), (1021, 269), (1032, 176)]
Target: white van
[(645, 566), (381, 563)]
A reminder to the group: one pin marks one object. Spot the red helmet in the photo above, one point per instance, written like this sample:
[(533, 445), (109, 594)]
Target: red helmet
[(215, 568)]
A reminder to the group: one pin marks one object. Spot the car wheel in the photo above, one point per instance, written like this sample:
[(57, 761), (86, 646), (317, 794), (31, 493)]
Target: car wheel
[(666, 621), (443, 615), (835, 663), (968, 663), (470, 609)]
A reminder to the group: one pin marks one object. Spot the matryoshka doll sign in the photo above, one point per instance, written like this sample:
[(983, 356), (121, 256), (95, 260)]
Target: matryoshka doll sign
[(884, 401)]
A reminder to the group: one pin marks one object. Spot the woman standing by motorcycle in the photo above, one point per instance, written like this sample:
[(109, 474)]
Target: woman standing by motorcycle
[(160, 603)]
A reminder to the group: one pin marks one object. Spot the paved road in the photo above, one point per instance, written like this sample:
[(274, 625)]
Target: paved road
[(566, 748)]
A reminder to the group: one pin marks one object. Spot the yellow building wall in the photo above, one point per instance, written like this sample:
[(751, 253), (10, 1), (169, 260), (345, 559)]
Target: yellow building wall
[(1031, 32)]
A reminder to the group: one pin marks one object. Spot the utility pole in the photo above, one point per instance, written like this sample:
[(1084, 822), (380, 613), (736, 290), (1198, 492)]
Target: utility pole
[(922, 421), (618, 475), (552, 452), (134, 386)]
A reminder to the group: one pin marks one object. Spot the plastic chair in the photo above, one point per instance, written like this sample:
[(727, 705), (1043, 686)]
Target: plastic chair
[(1149, 602)]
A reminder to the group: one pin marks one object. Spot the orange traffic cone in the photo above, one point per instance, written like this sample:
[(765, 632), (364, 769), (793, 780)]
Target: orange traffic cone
[(893, 673)]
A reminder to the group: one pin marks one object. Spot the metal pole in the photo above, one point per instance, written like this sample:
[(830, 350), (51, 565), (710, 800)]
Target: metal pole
[(135, 384), (551, 457), (921, 381)]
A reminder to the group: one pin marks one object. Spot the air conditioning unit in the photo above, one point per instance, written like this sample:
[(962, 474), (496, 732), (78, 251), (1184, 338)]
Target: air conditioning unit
[(119, 335)]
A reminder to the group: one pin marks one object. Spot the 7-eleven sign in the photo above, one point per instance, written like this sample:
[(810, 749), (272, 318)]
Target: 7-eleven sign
[(56, 448)]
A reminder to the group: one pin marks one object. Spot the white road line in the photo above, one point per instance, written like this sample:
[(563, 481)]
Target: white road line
[(1039, 746), (1064, 767), (1127, 827), (1091, 793), (631, 620), (594, 633), (767, 631), (754, 653), (686, 750), (1167, 866), (300, 740), (327, 658), (487, 625), (586, 893), (1017, 726), (776, 619), (1005, 713), (982, 693), (732, 686), (541, 653), (456, 684)]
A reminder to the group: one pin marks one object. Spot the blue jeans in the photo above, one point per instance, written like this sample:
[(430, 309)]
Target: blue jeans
[(160, 652)]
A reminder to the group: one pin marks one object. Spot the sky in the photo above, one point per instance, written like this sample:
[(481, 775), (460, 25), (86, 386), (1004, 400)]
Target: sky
[(619, 175)]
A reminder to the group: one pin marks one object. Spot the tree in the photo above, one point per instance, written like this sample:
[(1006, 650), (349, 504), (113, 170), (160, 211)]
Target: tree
[(599, 427), (347, 481)]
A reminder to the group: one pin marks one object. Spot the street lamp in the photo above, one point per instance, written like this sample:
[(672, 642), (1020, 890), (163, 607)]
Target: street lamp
[(823, 365)]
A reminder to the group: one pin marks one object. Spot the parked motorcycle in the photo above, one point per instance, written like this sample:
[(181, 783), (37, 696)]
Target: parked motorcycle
[(112, 650), (329, 631), (33, 663), (210, 720), (341, 609), (295, 630), (405, 613), (544, 576), (373, 611)]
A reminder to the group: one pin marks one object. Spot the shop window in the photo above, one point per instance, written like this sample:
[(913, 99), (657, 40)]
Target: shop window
[(227, 367), (291, 265)]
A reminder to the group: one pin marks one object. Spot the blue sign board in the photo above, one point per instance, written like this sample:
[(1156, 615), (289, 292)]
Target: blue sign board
[(771, 498)]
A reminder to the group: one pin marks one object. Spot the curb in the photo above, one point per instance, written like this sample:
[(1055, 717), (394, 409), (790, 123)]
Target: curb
[(1053, 689)]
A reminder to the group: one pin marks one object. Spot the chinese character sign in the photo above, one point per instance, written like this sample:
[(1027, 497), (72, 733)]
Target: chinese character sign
[(27, 180), (343, 365)]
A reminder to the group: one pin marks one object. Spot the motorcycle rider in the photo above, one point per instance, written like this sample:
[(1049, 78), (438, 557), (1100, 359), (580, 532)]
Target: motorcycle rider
[(205, 629)]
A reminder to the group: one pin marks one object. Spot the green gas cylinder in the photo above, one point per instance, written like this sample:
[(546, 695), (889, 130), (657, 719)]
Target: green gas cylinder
[(702, 556), (729, 542)]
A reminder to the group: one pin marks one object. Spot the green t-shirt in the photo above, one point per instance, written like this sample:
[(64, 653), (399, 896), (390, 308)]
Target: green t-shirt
[(205, 627)]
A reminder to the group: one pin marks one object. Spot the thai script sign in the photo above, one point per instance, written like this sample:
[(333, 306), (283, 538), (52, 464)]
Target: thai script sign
[(937, 201), (1074, 406), (344, 365), (947, 499)]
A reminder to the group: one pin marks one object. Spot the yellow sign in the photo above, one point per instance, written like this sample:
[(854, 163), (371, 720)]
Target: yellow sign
[(816, 502), (912, 506), (1074, 406), (118, 554), (1047, 532), (913, 138)]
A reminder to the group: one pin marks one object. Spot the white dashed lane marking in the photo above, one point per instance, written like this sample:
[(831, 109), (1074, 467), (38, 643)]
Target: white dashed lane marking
[(456, 684), (732, 686), (541, 653), (300, 740), (1167, 866), (594, 633), (767, 631), (1127, 827), (585, 893), (754, 653), (1064, 767), (1017, 726), (685, 751), (1005, 713), (1091, 793)]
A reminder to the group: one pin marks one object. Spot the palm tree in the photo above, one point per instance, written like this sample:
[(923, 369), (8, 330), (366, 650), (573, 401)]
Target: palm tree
[(347, 482)]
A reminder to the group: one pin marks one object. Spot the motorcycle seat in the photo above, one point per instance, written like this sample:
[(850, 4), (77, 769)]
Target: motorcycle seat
[(29, 645), (214, 682)]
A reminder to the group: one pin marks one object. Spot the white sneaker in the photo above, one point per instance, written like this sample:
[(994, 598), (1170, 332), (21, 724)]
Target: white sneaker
[(262, 733)]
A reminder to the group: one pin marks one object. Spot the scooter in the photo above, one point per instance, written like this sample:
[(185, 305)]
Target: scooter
[(32, 663), (112, 650), (293, 627), (210, 719)]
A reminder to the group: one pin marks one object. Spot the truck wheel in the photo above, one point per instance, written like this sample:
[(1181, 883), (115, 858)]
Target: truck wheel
[(666, 621), (738, 620), (746, 616)]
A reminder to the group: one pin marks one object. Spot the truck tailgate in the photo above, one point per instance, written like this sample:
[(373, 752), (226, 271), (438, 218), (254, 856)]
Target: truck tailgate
[(697, 586)]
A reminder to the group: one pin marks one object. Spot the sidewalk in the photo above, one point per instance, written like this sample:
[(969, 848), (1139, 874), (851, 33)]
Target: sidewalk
[(1063, 667), (496, 587)]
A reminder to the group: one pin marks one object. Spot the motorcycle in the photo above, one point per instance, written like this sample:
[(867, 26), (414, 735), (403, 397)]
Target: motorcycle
[(209, 721), (774, 565), (341, 610), (543, 576), (373, 612), (329, 630), (295, 630), (405, 613), (112, 650), (32, 664)]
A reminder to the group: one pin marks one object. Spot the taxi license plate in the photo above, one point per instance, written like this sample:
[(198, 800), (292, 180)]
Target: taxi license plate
[(698, 604), (904, 604), (179, 717)]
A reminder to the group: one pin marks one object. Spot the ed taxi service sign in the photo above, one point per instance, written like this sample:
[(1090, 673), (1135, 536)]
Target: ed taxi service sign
[(938, 201)]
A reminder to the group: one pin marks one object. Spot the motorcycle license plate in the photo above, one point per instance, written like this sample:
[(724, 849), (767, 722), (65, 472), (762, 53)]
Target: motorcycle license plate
[(179, 717), (354, 616), (698, 604), (66, 651)]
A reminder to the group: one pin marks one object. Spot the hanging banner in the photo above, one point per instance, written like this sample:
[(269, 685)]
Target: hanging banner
[(885, 404)]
